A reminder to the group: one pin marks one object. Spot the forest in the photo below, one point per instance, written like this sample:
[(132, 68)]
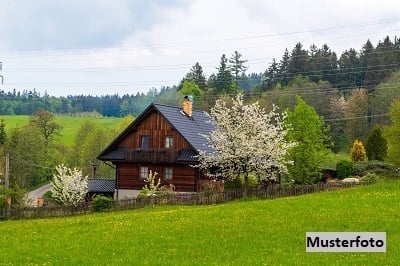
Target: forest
[(352, 92)]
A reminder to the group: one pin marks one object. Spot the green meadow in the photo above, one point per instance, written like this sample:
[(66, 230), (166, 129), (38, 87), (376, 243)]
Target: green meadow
[(252, 232), (70, 125)]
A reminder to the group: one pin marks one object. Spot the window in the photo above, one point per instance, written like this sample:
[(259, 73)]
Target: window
[(145, 142), (168, 173), (169, 142), (144, 172)]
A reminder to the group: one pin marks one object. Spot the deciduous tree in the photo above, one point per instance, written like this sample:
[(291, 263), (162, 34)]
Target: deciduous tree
[(308, 130), (191, 88), (246, 140), (76, 157), (3, 135), (335, 119), (392, 133), (356, 115), (47, 125), (383, 96), (25, 167)]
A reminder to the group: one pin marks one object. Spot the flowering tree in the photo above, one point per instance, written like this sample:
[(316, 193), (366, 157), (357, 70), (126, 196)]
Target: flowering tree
[(69, 186), (246, 140)]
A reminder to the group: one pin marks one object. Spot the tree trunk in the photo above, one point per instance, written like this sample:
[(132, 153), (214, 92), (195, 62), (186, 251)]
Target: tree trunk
[(246, 183)]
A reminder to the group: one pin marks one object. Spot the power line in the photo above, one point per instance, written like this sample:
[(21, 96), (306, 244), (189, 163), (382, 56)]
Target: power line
[(229, 39), (30, 163), (355, 117), (169, 66), (383, 67)]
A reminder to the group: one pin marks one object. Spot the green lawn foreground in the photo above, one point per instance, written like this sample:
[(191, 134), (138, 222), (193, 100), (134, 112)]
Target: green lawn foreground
[(270, 232)]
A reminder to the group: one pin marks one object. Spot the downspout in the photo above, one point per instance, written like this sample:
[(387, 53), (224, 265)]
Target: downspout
[(116, 184)]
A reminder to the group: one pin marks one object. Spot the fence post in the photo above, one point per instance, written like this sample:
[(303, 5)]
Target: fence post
[(8, 208)]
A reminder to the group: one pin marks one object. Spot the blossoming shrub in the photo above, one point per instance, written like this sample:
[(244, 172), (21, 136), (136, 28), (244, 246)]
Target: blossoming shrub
[(151, 187), (69, 186)]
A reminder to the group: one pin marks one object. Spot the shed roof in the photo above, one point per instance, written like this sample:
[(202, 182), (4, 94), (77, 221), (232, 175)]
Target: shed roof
[(101, 185)]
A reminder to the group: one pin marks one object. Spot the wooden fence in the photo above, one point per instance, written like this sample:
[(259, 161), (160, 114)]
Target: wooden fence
[(271, 192)]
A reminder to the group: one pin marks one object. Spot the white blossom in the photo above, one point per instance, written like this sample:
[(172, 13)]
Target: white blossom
[(246, 139), (69, 186)]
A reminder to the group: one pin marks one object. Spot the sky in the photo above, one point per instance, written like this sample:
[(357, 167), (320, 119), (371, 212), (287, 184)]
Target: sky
[(104, 47)]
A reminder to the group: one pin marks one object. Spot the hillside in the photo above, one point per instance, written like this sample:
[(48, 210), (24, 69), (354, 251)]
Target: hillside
[(268, 232), (70, 125)]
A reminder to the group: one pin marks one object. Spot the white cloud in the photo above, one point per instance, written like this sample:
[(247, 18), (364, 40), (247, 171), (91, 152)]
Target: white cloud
[(100, 47)]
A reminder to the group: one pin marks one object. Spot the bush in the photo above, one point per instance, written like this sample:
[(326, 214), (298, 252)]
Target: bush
[(208, 189), (378, 167), (344, 169), (3, 201), (357, 152), (238, 182), (101, 203), (369, 178), (235, 183), (253, 180)]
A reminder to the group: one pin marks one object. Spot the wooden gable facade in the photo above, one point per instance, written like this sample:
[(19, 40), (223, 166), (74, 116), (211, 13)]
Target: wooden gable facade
[(163, 140)]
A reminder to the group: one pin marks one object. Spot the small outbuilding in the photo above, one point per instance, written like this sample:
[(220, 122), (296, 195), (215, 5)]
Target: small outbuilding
[(100, 186)]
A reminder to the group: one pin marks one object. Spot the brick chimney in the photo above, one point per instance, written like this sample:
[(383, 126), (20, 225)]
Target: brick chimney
[(187, 105)]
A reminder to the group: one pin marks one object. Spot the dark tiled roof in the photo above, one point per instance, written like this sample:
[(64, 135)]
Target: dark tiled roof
[(101, 185)]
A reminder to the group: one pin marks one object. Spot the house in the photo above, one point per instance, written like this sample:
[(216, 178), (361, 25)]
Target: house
[(164, 139)]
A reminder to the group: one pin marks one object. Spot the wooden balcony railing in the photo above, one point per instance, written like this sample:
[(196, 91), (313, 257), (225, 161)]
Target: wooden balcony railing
[(153, 155)]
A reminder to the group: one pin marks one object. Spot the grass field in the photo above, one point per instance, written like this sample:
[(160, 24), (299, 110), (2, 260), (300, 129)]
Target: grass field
[(336, 157), (70, 125), (238, 233)]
